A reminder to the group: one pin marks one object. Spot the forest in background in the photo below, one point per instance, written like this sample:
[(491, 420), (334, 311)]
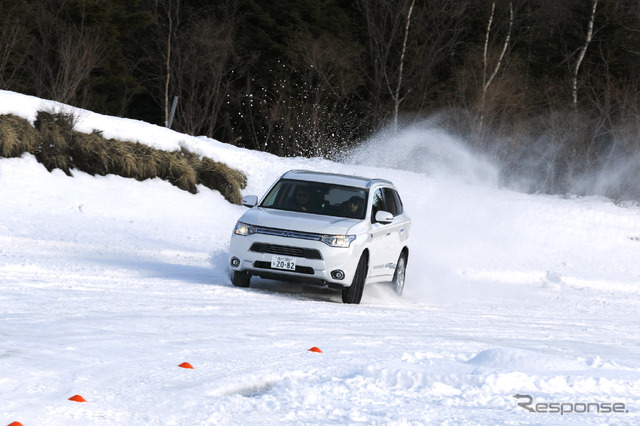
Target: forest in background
[(547, 89)]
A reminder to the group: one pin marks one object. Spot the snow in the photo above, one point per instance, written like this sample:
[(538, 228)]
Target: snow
[(108, 284)]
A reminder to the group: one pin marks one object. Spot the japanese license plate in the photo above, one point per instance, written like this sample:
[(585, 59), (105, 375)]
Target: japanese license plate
[(283, 262)]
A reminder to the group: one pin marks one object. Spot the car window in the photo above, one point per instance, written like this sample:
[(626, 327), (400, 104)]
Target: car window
[(388, 200), (377, 203), (317, 198), (392, 201), (398, 202)]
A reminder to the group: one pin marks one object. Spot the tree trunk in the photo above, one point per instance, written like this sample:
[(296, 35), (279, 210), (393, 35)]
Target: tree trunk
[(168, 69), (486, 83), (396, 95), (583, 51)]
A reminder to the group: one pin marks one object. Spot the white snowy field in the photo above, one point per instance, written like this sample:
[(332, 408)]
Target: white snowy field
[(108, 284)]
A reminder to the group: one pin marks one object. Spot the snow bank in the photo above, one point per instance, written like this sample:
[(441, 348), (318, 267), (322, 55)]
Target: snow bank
[(108, 284)]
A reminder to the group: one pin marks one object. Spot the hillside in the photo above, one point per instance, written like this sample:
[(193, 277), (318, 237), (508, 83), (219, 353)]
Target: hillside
[(107, 284)]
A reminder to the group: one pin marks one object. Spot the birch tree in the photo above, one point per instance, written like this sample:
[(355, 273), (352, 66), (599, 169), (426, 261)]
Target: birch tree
[(396, 94), (581, 54), (170, 20), (489, 76), (387, 26)]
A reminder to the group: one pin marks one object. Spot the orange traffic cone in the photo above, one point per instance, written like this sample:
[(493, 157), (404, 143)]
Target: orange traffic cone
[(77, 398)]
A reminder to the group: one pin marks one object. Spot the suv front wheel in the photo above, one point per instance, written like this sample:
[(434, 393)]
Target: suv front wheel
[(353, 294), (240, 278)]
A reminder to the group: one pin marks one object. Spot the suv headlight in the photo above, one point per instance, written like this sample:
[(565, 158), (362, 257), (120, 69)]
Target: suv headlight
[(244, 229), (338, 240)]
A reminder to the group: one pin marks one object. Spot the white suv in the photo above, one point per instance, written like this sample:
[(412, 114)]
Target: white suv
[(319, 228)]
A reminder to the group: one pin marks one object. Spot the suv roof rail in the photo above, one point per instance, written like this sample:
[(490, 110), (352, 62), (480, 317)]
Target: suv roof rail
[(369, 181)]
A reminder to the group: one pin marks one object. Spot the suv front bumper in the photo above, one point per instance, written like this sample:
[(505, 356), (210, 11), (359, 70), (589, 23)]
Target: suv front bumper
[(315, 260)]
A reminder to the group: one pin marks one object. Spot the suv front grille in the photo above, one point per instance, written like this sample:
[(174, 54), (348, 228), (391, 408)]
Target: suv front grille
[(287, 233), (286, 250)]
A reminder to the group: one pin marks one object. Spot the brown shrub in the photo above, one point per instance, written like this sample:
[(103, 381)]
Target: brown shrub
[(220, 177), (217, 176), (55, 131), (65, 122), (147, 159), (122, 159), (89, 152), (175, 167), (56, 145), (17, 136)]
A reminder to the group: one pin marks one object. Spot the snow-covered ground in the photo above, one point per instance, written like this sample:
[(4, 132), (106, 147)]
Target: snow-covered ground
[(108, 284)]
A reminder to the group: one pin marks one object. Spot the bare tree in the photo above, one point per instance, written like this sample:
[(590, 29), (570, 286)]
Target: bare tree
[(170, 19), (63, 54), (326, 71), (396, 93), (80, 52), (407, 41), (166, 25), (489, 76), (306, 109), (435, 41), (582, 52), (13, 48), (44, 18), (387, 24), (203, 69)]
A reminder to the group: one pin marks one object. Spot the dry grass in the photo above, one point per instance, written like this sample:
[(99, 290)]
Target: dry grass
[(89, 152), (122, 159), (222, 178), (175, 167), (17, 136), (148, 161), (54, 131), (56, 144)]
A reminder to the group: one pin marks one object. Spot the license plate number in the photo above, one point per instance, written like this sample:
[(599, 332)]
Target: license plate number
[(283, 262)]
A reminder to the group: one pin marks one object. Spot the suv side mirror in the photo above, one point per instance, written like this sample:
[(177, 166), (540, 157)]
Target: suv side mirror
[(384, 217), (250, 200)]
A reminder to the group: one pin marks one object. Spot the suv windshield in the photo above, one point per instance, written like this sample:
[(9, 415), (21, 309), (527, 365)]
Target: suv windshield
[(317, 198)]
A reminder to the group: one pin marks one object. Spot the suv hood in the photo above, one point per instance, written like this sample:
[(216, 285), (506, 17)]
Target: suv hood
[(297, 221)]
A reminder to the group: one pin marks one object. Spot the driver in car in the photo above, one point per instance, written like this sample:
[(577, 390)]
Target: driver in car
[(300, 200)]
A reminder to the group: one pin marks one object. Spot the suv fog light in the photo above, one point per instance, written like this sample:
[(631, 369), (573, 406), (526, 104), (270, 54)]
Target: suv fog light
[(235, 262), (337, 275)]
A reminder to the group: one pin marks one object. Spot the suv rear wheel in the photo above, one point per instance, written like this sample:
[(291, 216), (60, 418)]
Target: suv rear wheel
[(399, 275)]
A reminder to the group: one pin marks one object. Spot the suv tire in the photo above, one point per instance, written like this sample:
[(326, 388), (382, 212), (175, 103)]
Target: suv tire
[(240, 279), (353, 294), (399, 274)]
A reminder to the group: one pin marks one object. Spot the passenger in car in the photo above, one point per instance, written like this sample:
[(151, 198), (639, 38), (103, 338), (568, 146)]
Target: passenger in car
[(354, 206)]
